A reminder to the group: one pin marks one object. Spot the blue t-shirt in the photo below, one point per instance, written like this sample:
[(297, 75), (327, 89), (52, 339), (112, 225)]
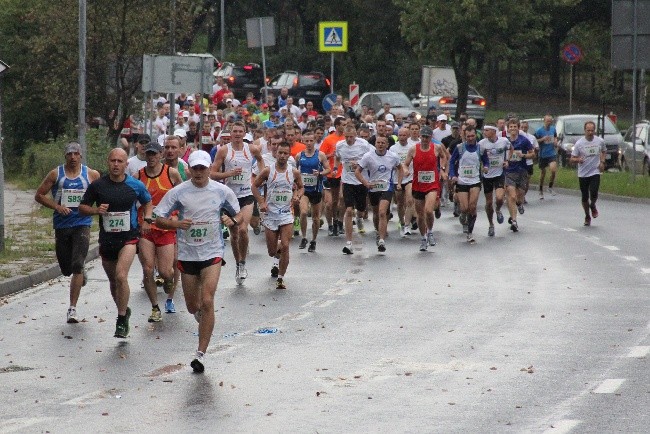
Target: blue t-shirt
[(516, 163), (546, 150)]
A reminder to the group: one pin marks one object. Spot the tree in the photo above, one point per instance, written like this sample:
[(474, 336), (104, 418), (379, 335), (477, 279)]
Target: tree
[(465, 29)]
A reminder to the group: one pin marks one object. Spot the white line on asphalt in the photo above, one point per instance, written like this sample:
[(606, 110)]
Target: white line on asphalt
[(569, 229), (631, 258), (645, 270), (337, 291), (612, 248), (20, 423), (327, 303), (610, 385), (309, 304), (639, 351), (543, 222), (563, 426), (293, 316)]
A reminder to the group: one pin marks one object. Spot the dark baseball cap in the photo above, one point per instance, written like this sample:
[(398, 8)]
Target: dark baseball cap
[(144, 138)]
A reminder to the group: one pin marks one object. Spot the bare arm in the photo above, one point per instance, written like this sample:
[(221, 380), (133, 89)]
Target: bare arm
[(44, 197)]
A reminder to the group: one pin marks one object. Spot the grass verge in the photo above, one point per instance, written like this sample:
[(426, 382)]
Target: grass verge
[(618, 183)]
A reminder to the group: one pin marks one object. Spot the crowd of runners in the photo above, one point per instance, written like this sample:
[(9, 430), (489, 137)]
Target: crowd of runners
[(175, 201)]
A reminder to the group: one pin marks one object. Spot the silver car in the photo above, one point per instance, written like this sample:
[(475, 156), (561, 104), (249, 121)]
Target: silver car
[(399, 103), (640, 162), (570, 128), (476, 104)]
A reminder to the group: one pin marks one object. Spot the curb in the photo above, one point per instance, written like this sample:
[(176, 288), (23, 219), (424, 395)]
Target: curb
[(19, 283)]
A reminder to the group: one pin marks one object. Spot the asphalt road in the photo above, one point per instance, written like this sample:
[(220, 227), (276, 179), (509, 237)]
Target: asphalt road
[(544, 330)]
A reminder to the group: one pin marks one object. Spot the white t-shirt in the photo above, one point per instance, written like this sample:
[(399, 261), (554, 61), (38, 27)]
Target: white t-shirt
[(134, 164), (439, 134), (401, 151), (349, 155), (590, 150), (379, 170), (496, 152), (203, 240), (532, 139)]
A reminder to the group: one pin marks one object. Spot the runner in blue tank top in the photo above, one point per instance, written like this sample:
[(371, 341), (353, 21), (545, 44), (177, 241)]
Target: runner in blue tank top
[(66, 184)]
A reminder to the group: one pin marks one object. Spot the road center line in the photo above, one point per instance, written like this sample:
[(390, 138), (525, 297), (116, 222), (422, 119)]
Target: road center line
[(563, 426), (612, 248), (645, 270), (610, 385), (639, 351), (631, 258), (569, 229)]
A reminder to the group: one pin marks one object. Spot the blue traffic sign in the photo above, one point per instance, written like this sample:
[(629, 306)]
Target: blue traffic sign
[(329, 101), (571, 53)]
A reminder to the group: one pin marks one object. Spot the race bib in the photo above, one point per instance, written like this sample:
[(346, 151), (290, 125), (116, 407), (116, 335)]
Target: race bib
[(426, 177), (70, 197), (592, 150), (243, 178), (119, 221), (200, 233), (468, 171), (379, 186), (205, 140), (309, 180), (496, 162), (402, 158), (281, 197), (516, 156), (349, 166), (126, 131)]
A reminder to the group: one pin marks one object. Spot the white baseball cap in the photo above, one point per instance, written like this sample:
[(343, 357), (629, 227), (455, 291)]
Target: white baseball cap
[(301, 101), (180, 132), (199, 158), (442, 117)]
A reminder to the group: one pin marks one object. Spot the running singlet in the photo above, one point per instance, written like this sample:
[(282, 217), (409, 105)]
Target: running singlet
[(312, 183), (496, 154), (279, 191), (469, 164), (157, 186), (240, 184), (425, 170), (328, 147), (401, 151), (68, 192)]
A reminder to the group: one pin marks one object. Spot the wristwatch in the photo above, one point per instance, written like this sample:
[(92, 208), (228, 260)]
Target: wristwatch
[(234, 222), (148, 220)]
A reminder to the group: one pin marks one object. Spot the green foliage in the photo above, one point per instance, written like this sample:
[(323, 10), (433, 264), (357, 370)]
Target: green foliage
[(618, 183)]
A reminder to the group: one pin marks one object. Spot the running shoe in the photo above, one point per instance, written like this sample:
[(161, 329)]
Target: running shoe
[(339, 228), (279, 284), (491, 231), (224, 233), (550, 190), (437, 213), (312, 246), (381, 246), (197, 315), (594, 211), (156, 315), (509, 220), (347, 249), (159, 280), (407, 231), (360, 227), (520, 208), (541, 195), (414, 225), (122, 327), (169, 306), (72, 316), (303, 243), (198, 363), (431, 239), (499, 217), (587, 223), (296, 226), (168, 286), (238, 277), (257, 229), (275, 270), (424, 245), (331, 230), (513, 226), (470, 239), (465, 228)]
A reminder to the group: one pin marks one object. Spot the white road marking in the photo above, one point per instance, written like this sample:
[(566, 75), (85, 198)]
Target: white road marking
[(543, 222), (569, 229), (612, 248), (631, 258), (309, 304), (91, 397), (563, 426), (327, 303), (610, 385), (645, 270), (337, 291), (639, 351), (293, 316), (20, 423)]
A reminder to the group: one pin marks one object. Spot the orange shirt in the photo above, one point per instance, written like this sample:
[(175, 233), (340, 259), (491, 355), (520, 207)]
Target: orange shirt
[(157, 186), (297, 148), (328, 147)]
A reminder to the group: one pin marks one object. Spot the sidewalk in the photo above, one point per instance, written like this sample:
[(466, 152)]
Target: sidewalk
[(26, 225)]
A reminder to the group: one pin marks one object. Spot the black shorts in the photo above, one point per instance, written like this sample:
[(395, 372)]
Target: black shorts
[(491, 184), (545, 161), (256, 209), (377, 196), (530, 168), (354, 196), (404, 184), (246, 200), (421, 195), (111, 251), (193, 268), (315, 197), (332, 182), (589, 186), (72, 248), (466, 188)]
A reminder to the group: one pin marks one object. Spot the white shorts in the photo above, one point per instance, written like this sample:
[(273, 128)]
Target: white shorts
[(273, 222)]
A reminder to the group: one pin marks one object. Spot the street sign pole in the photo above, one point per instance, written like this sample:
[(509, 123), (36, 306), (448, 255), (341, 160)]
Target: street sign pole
[(332, 74), (3, 67), (81, 116), (571, 90), (332, 37), (266, 88)]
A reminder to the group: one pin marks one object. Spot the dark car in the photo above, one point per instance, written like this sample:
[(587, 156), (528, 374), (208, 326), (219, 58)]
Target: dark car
[(570, 128), (312, 86), (242, 79)]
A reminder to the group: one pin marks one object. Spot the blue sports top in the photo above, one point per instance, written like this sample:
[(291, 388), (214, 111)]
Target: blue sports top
[(68, 192)]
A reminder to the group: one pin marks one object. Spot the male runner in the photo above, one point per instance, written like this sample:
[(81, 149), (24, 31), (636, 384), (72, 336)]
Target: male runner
[(116, 195), (404, 195), (67, 184), (495, 147), (547, 139), (200, 244), (332, 185), (516, 171), (279, 180), (589, 153)]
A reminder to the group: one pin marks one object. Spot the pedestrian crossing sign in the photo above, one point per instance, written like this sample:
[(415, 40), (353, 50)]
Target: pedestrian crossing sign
[(333, 36)]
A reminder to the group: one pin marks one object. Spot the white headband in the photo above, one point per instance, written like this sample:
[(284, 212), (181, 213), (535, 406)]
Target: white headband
[(490, 127)]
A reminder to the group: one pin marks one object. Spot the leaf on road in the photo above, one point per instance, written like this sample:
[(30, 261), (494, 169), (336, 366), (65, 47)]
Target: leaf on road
[(221, 383), (493, 368), (105, 414), (68, 337)]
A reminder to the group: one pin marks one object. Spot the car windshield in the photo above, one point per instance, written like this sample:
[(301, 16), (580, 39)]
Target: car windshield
[(576, 127), (309, 79), (396, 99)]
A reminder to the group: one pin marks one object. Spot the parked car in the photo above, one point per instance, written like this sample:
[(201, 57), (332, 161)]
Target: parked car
[(476, 104), (534, 124), (399, 103), (570, 128), (312, 86), (242, 79), (640, 162)]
